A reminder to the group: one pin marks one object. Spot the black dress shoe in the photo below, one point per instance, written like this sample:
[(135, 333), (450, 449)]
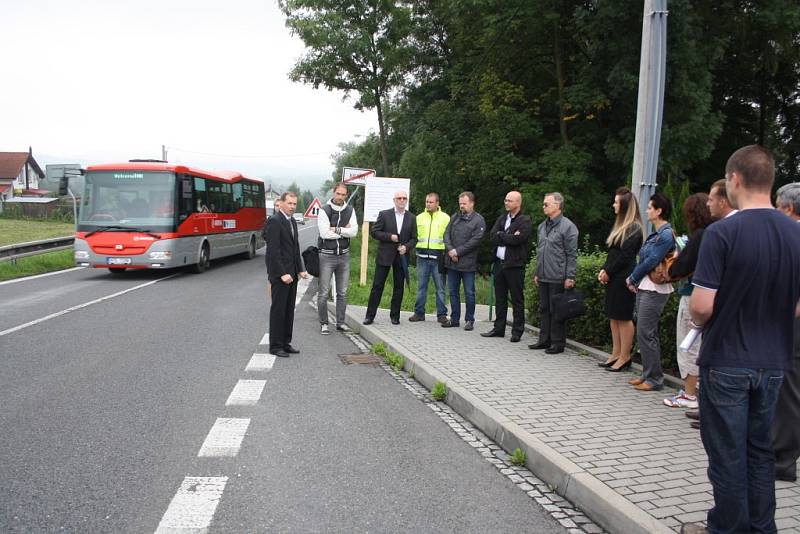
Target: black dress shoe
[(280, 353), (621, 368), (692, 414), (493, 333), (291, 350), (515, 338), (786, 477), (695, 424), (554, 350), (395, 321), (607, 364), (367, 321), (539, 346)]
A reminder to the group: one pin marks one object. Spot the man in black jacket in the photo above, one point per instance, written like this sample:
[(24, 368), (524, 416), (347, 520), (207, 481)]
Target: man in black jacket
[(510, 235), (395, 231), (285, 265)]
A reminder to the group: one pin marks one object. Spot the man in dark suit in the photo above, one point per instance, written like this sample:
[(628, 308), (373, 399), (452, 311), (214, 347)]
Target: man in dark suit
[(510, 236), (285, 265), (395, 231)]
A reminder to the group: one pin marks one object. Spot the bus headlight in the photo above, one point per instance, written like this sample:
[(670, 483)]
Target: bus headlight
[(81, 254), (161, 255)]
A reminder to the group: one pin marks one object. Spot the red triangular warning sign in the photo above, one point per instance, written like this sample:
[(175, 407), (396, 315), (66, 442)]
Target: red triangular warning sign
[(312, 212)]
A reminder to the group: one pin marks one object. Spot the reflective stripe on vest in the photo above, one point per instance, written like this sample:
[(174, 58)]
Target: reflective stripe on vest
[(430, 229)]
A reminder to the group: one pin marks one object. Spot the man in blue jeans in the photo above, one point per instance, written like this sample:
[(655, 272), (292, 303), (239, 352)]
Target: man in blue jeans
[(746, 296), (431, 225), (461, 241)]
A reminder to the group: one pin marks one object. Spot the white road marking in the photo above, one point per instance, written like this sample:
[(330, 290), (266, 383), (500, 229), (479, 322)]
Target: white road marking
[(34, 277), (84, 305), (302, 286), (193, 507), (225, 437), (260, 362), (265, 339), (246, 393)]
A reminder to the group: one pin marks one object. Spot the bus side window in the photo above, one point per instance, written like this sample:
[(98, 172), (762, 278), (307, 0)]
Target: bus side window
[(185, 197)]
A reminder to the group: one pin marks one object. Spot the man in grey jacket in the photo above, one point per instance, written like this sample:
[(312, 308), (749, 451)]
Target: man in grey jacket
[(461, 240), (556, 265)]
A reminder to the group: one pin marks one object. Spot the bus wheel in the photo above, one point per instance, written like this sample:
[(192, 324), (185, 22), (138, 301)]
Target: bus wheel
[(203, 261), (250, 253), (116, 270)]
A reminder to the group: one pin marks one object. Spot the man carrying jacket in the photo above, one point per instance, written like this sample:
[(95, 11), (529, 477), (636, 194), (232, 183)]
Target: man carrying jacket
[(461, 241), (556, 265), (431, 225), (336, 223), (510, 235)]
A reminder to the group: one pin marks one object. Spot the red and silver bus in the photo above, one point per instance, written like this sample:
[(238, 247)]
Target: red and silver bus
[(154, 215)]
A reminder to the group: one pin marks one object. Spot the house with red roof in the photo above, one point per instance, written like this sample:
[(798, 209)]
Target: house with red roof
[(20, 172)]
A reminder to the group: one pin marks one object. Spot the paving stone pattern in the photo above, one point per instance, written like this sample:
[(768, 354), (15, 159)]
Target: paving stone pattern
[(627, 439)]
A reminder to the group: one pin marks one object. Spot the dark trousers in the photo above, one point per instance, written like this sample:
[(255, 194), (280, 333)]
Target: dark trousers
[(552, 332), (509, 280), (786, 429), (737, 406), (281, 314), (398, 279)]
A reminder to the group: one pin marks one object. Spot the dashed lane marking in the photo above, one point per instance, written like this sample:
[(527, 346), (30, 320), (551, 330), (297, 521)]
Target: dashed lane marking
[(27, 278), (264, 340), (224, 438), (193, 506), (84, 305), (260, 362), (246, 393)]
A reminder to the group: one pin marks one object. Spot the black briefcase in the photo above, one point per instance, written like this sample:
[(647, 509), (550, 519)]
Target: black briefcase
[(568, 305)]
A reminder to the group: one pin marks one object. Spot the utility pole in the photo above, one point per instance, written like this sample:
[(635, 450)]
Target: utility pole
[(164, 152), (650, 106)]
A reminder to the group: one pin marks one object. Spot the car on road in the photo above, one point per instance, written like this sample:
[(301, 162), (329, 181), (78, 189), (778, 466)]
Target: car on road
[(299, 218)]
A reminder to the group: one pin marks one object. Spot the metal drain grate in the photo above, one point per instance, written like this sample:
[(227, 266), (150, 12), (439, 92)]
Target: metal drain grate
[(360, 358)]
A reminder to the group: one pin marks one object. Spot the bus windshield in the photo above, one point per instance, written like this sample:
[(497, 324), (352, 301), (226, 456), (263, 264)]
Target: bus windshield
[(139, 200)]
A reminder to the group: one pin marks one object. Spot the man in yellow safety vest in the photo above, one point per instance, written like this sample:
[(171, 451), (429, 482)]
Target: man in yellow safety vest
[(431, 225)]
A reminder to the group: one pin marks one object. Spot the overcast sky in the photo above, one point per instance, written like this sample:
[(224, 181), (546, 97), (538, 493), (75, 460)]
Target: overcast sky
[(88, 81)]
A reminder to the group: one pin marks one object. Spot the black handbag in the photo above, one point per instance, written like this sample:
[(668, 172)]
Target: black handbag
[(311, 259), (568, 305)]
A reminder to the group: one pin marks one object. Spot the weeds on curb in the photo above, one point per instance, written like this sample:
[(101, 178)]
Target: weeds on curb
[(389, 356), (518, 457), (439, 391), (379, 349)]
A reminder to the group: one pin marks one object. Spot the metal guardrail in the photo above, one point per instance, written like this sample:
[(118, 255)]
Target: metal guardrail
[(22, 250)]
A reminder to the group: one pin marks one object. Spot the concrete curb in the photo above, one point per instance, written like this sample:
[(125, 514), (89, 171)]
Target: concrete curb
[(601, 503)]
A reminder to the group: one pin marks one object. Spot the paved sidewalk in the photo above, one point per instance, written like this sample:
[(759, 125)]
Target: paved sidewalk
[(631, 463)]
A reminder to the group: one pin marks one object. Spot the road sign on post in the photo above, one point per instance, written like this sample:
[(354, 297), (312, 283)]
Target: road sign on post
[(353, 176), (312, 212)]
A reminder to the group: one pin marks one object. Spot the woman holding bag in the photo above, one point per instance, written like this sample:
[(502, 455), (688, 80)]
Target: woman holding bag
[(623, 242), (650, 296)]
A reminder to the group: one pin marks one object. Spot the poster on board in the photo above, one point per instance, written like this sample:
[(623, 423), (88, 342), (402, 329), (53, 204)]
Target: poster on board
[(380, 195)]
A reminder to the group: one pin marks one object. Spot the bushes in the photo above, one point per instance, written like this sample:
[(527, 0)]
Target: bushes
[(592, 328)]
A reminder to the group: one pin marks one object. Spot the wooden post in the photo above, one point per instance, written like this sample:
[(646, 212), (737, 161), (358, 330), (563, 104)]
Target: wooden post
[(364, 253)]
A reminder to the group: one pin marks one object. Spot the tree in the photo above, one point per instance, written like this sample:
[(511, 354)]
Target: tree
[(356, 46)]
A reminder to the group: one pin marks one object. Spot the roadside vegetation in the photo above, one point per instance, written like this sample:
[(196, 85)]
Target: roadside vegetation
[(39, 264), (14, 231)]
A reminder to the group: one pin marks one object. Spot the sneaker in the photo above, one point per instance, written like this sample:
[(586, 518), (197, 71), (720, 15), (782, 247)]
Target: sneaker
[(449, 324), (441, 318), (343, 328), (681, 400), (323, 329), (416, 318), (470, 325)]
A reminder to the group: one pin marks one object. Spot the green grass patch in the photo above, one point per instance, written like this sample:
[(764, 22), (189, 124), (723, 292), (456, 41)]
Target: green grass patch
[(439, 391), (14, 231), (359, 296), (518, 457), (41, 263)]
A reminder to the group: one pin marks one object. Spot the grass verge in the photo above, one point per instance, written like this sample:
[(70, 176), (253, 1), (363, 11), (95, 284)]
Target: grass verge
[(41, 263), (23, 230)]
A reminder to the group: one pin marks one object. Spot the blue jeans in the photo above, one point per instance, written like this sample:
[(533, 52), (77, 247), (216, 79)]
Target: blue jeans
[(426, 268), (736, 409), (454, 279)]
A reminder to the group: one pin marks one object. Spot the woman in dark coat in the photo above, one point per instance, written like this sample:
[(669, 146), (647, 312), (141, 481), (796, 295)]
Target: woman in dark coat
[(623, 243)]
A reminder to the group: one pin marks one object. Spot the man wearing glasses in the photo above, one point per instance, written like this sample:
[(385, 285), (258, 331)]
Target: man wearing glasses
[(395, 232)]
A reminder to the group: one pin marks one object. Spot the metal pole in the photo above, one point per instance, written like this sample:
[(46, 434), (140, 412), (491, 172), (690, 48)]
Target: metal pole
[(74, 207)]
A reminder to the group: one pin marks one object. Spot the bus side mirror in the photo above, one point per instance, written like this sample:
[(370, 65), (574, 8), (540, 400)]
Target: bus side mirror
[(62, 186)]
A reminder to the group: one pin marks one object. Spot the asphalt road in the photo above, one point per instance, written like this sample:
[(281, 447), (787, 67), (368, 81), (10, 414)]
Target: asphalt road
[(106, 407)]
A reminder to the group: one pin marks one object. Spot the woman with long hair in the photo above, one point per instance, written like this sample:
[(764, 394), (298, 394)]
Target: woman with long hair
[(623, 243), (698, 217), (651, 296)]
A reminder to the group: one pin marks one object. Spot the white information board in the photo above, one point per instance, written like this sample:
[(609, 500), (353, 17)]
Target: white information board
[(380, 195)]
